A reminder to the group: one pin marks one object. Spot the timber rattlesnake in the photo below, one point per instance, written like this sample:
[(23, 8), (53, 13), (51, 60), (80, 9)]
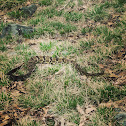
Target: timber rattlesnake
[(47, 60)]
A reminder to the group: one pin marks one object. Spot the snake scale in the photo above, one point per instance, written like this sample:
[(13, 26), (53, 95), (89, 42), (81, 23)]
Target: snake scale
[(30, 65)]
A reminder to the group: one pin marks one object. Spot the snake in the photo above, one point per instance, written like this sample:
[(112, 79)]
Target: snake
[(31, 63)]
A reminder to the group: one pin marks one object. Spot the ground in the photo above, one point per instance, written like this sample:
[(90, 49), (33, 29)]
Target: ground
[(89, 32)]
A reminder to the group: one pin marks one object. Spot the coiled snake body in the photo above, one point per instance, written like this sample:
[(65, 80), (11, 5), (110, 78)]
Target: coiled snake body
[(44, 60)]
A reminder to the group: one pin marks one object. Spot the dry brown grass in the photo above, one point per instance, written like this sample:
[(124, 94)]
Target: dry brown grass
[(60, 86)]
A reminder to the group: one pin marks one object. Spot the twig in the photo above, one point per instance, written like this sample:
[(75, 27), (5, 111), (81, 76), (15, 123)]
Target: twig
[(65, 5)]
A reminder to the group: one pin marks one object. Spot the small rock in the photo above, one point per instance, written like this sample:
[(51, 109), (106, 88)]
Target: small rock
[(16, 29), (121, 118), (29, 10)]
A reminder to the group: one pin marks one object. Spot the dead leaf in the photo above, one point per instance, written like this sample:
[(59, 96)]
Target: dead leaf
[(26, 110), (117, 104), (45, 111), (110, 24), (121, 81), (122, 61), (85, 115), (4, 89), (28, 3), (111, 73), (62, 122), (15, 114), (15, 106), (101, 66), (61, 71), (109, 124), (5, 19), (4, 123), (121, 103), (108, 105), (82, 120), (15, 93), (5, 116), (80, 110)]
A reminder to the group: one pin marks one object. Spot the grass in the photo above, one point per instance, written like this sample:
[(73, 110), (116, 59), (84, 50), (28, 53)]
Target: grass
[(111, 93), (86, 44), (51, 28), (41, 31), (99, 13), (36, 21), (4, 100), (108, 35), (45, 2), (8, 4), (107, 114), (65, 51), (96, 14), (21, 47), (118, 5), (73, 16), (65, 101), (3, 48), (17, 14), (63, 28), (86, 30), (29, 123), (23, 50), (2, 25), (80, 2), (60, 86), (59, 2), (106, 93), (46, 47), (50, 12)]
